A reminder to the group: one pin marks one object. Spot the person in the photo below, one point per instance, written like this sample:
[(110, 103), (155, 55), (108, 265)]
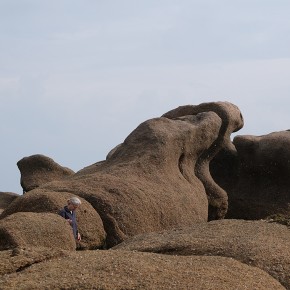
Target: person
[(68, 212)]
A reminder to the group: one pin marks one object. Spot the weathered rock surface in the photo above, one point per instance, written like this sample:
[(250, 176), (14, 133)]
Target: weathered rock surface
[(257, 179), (256, 243), (158, 178), (89, 222), (6, 198), (232, 121), (132, 270), (149, 184), (27, 229), (18, 259), (38, 169)]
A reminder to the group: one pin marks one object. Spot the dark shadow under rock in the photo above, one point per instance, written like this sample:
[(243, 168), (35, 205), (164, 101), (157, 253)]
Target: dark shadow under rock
[(257, 178)]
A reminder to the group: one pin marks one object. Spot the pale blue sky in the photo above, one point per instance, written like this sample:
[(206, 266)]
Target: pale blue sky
[(76, 77)]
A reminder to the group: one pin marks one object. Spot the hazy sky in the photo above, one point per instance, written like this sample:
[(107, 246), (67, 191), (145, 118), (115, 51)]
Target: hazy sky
[(76, 77)]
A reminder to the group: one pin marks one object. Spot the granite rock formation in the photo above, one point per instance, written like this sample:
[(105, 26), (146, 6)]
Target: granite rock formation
[(256, 243), (35, 229), (133, 270), (158, 178), (38, 169), (257, 177), (232, 121), (155, 193), (89, 222)]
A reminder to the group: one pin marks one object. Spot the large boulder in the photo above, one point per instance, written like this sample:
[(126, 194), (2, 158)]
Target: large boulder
[(257, 179), (28, 229), (158, 178), (89, 222), (39, 169), (256, 243), (133, 270)]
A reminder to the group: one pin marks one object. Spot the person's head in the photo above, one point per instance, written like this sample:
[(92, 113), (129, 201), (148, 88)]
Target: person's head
[(73, 203)]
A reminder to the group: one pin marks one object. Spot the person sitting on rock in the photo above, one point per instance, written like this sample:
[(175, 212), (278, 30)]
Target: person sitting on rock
[(68, 212)]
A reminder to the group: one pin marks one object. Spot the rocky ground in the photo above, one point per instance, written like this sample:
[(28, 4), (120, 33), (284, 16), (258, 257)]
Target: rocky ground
[(110, 269)]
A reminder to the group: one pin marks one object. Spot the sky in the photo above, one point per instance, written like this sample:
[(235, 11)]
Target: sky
[(77, 76)]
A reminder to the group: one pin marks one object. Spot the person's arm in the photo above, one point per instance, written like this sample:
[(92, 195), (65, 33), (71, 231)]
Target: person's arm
[(62, 213)]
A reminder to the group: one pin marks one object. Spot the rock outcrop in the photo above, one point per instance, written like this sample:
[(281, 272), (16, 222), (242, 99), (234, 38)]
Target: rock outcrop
[(38, 169), (158, 178), (149, 184), (154, 193), (257, 178), (256, 243), (133, 270), (232, 121), (27, 229), (89, 222)]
